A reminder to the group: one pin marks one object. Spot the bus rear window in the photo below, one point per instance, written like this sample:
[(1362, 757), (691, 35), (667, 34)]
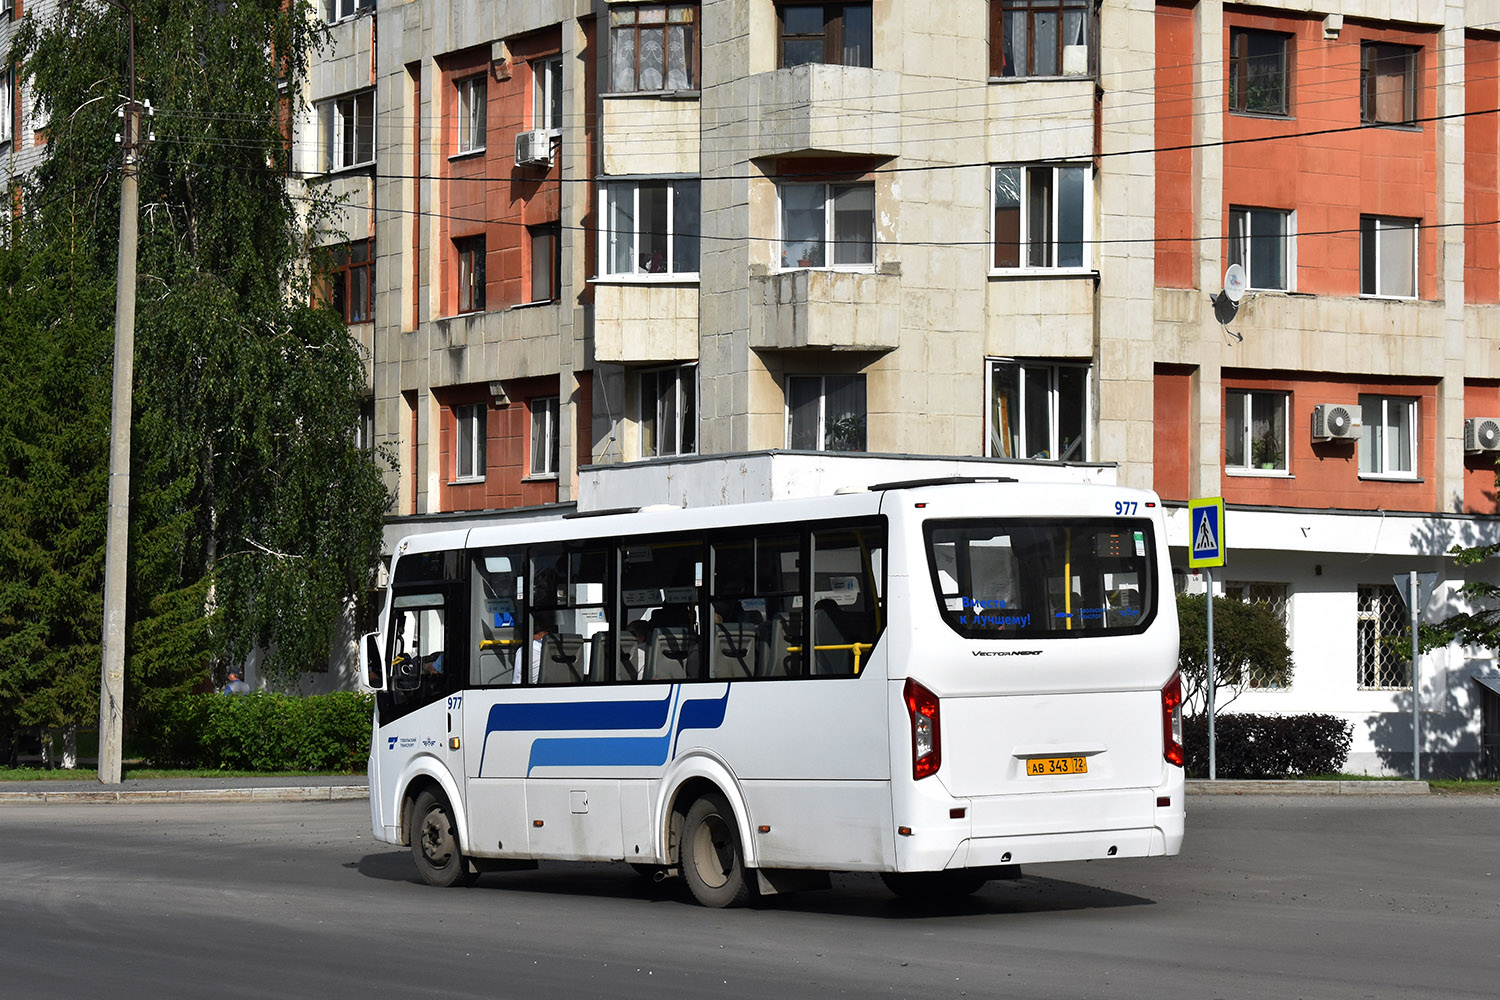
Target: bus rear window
[(1043, 578)]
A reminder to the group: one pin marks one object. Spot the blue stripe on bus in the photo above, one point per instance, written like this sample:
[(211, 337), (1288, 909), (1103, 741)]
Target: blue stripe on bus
[(598, 751), (555, 715), (702, 713)]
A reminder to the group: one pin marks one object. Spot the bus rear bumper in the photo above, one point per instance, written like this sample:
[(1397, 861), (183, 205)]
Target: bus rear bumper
[(984, 852)]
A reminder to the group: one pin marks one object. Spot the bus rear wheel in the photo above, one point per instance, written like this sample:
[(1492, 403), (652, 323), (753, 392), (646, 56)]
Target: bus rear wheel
[(434, 843), (933, 887), (713, 865)]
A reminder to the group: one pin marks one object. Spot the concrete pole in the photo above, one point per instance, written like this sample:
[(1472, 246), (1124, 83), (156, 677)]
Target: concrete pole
[(117, 543)]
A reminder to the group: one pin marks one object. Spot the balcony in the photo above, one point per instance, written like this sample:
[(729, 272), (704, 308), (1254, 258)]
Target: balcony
[(839, 310), (818, 107), (645, 321)]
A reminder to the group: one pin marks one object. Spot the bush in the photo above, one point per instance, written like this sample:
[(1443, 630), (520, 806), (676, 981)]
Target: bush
[(1268, 746), (261, 732)]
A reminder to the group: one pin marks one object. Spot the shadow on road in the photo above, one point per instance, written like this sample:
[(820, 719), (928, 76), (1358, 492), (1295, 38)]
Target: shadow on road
[(853, 894)]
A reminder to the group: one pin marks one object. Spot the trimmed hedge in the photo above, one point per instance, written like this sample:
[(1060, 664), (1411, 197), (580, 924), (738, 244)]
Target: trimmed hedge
[(1268, 746), (261, 732)]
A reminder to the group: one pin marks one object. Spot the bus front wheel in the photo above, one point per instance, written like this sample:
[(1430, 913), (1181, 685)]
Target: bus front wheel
[(712, 863), (434, 843)]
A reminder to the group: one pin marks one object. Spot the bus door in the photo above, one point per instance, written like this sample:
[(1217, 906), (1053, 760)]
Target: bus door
[(421, 711)]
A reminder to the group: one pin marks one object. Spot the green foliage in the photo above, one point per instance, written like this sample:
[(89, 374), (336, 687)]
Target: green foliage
[(260, 732), (1267, 746), (254, 517), (1468, 628), (1249, 643)]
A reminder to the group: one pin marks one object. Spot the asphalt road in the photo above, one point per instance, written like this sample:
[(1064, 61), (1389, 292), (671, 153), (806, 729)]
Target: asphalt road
[(1272, 897)]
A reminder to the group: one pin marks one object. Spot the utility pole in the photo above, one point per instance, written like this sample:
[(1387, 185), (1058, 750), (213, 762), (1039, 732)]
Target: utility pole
[(117, 544)]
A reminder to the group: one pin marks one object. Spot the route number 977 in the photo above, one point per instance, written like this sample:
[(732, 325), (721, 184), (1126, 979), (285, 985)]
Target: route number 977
[(1125, 506)]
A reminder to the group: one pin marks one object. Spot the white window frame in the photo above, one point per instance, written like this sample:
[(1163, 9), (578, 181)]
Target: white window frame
[(823, 428), (673, 402), (7, 104), (1385, 224), (470, 429), (1379, 461), (1050, 242), (1242, 241), (545, 455), (830, 245), (1251, 465), (546, 87), (1054, 405), (611, 194), (335, 11), (336, 117), (470, 128)]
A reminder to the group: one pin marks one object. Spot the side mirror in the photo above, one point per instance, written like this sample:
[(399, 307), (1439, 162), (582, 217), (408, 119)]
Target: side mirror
[(371, 662)]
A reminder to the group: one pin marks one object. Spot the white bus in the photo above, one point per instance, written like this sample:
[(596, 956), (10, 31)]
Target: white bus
[(937, 681)]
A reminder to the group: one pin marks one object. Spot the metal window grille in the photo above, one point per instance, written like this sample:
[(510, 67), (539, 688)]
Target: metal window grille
[(1274, 598), (1381, 632)]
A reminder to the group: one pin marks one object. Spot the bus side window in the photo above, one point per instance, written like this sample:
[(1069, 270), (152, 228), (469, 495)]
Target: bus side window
[(495, 616), (567, 607), (847, 612)]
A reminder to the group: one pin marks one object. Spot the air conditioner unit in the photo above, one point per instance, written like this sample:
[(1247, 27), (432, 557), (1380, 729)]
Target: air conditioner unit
[(534, 149), (1482, 434), (1335, 422)]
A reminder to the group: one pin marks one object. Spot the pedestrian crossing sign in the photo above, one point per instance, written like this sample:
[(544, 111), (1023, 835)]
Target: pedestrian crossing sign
[(1206, 524)]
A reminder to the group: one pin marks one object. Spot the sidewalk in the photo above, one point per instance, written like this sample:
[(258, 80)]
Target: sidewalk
[(264, 788), (329, 788)]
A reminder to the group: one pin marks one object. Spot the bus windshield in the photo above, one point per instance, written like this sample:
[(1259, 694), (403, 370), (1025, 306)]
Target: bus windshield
[(1042, 578)]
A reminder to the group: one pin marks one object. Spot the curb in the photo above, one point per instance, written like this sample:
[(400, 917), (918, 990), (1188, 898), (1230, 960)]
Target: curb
[(288, 793), (1199, 786)]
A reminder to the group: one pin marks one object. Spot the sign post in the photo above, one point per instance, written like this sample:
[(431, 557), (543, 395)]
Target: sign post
[(1206, 550), (1415, 589)]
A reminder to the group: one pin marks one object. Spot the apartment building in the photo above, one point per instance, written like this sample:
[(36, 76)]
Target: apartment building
[(642, 237), (23, 129)]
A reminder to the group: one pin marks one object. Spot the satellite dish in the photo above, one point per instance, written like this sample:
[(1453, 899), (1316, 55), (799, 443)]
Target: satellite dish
[(1227, 302), (1234, 283)]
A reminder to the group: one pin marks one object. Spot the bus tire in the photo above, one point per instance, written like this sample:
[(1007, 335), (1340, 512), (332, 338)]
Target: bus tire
[(933, 887), (434, 843), (712, 863)]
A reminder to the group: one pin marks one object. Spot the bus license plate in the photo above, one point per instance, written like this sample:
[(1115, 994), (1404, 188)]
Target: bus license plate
[(1057, 765)]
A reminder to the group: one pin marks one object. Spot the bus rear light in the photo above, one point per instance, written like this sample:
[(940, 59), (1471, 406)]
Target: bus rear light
[(926, 731), (1171, 722)]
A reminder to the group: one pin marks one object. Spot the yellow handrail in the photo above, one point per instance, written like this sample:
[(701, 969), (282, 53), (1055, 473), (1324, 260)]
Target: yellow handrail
[(859, 649)]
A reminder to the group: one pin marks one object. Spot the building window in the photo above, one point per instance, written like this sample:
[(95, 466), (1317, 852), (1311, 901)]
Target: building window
[(1042, 217), (1255, 430), (544, 447), (1038, 409), (653, 48), (546, 94), (1258, 72), (333, 10), (841, 34), (1388, 437), (1387, 84), (469, 435), (651, 227), (1274, 598), (7, 105), (826, 412), (348, 125), (1260, 241), (470, 252), (827, 225), (1041, 37), (364, 433), (351, 281), (471, 114), (546, 262), (669, 411), (1382, 634), (1387, 257)]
